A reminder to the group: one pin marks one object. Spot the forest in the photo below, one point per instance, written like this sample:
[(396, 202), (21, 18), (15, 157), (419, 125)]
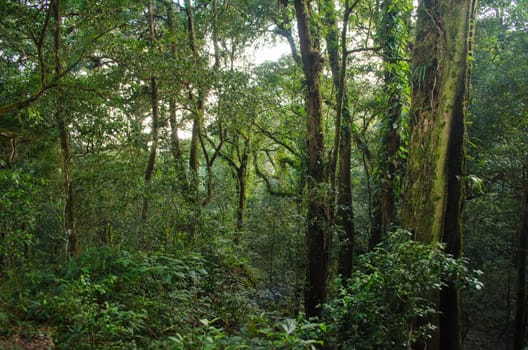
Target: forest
[(166, 183)]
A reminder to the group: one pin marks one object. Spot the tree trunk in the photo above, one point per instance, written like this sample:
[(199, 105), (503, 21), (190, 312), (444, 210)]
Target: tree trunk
[(392, 37), (345, 211), (198, 110), (174, 139), (241, 176), (242, 182), (318, 238), (69, 224), (155, 122), (435, 175), (340, 162), (149, 170), (520, 304), (194, 157)]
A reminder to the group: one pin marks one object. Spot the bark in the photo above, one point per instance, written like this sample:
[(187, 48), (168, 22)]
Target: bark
[(345, 211), (174, 139), (194, 156), (149, 170), (242, 177), (434, 188), (199, 108), (520, 304), (69, 218), (318, 238), (240, 168), (242, 180), (340, 162), (155, 122)]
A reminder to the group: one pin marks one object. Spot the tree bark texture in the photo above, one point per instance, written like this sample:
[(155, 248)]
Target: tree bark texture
[(69, 219), (318, 238), (434, 190)]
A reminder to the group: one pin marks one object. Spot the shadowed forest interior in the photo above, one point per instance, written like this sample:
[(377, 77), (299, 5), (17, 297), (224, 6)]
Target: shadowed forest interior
[(159, 189)]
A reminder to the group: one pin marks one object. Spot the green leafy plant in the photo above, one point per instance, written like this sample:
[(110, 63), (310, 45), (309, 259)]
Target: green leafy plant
[(387, 303), (111, 299)]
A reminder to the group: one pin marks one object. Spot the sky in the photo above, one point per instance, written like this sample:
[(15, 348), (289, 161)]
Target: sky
[(271, 52)]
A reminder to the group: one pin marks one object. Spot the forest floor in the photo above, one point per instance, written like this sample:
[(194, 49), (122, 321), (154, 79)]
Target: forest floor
[(21, 339)]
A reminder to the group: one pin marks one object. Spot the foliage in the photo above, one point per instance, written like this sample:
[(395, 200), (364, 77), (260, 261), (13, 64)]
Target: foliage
[(19, 205), (186, 278), (260, 332), (387, 304), (111, 299)]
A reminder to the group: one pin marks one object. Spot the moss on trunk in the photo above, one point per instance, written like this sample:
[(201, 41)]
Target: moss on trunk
[(435, 189)]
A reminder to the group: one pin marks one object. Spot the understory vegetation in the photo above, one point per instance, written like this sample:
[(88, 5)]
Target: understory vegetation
[(115, 299)]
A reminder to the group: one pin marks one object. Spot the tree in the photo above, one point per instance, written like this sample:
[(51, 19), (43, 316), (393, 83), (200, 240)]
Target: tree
[(434, 192), (340, 164), (392, 36), (318, 237), (69, 218), (155, 117)]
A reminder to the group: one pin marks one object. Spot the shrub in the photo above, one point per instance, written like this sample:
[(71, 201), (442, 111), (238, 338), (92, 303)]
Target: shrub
[(392, 289)]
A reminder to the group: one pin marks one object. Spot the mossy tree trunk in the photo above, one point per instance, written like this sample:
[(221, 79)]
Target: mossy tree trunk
[(69, 222), (318, 237), (434, 190), (392, 38), (340, 163)]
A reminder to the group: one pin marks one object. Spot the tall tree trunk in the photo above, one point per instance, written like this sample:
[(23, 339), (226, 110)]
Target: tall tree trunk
[(155, 122), (318, 238), (198, 110), (241, 176), (340, 162), (392, 37), (149, 170), (174, 139), (199, 107), (242, 182), (435, 175), (69, 224), (522, 246)]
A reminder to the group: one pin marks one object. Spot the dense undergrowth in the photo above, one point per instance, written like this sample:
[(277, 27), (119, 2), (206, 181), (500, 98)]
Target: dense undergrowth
[(111, 299)]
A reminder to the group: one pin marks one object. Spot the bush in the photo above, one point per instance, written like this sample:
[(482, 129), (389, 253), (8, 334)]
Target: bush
[(392, 289)]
